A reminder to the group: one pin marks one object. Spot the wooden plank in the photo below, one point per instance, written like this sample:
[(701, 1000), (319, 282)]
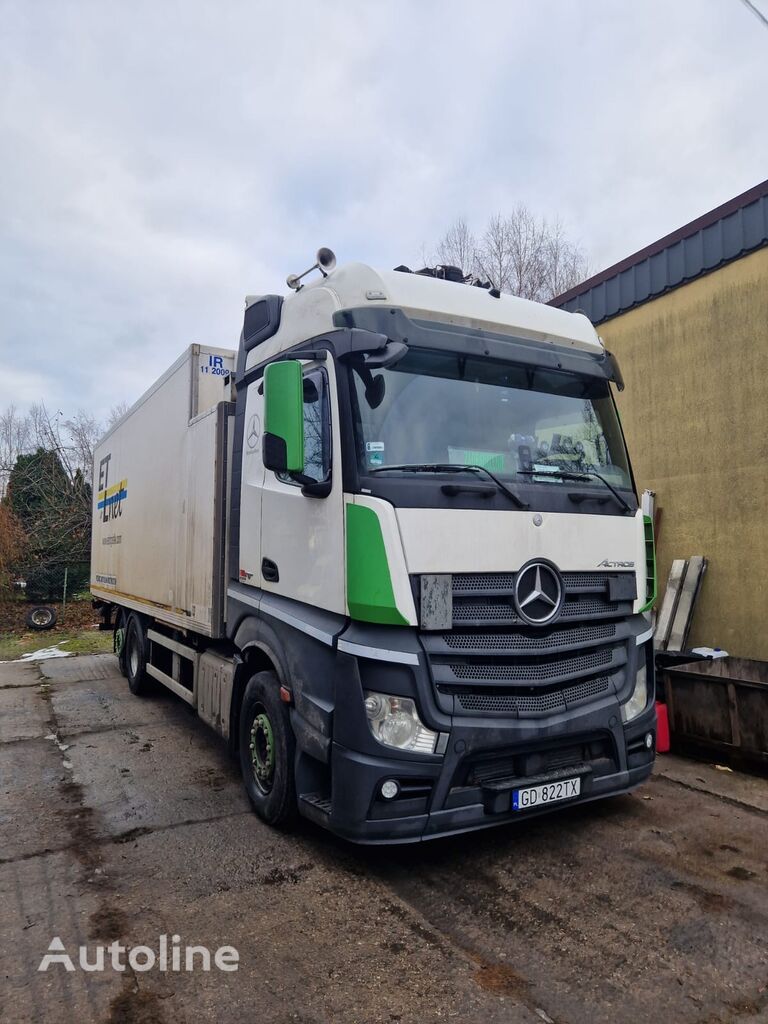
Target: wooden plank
[(689, 620), (669, 604), (684, 612)]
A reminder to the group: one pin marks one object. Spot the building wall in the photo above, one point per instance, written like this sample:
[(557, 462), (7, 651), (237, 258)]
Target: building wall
[(695, 412)]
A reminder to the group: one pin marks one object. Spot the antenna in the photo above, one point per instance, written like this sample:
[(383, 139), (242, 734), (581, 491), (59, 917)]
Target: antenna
[(325, 262)]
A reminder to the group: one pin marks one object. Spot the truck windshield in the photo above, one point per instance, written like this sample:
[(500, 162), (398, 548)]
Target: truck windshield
[(519, 421)]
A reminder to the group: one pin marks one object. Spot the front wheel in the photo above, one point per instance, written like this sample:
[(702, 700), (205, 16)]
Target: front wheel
[(267, 749)]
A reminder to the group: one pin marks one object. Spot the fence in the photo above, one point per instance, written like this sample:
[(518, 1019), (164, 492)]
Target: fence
[(48, 581)]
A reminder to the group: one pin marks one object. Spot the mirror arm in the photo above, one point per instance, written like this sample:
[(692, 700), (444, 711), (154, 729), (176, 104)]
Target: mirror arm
[(313, 488)]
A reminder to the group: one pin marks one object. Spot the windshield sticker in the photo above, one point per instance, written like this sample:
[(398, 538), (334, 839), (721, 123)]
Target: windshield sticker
[(375, 450), (542, 472)]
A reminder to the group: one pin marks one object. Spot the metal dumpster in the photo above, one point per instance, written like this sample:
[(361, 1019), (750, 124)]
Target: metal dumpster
[(720, 706)]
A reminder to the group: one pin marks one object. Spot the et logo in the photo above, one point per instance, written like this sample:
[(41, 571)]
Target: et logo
[(110, 498)]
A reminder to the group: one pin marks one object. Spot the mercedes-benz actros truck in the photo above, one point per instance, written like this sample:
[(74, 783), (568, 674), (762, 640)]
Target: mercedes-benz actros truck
[(391, 551)]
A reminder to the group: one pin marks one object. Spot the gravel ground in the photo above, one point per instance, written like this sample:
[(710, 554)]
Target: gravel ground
[(124, 819)]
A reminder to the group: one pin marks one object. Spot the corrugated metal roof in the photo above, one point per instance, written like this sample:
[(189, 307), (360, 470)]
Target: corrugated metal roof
[(720, 236)]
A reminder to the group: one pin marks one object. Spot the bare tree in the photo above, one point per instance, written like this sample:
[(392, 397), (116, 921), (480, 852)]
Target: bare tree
[(116, 413), (518, 253), (83, 432), (458, 247), (494, 254), (528, 237), (15, 440), (565, 264)]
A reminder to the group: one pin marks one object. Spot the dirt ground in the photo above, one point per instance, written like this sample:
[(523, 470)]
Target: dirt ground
[(124, 818)]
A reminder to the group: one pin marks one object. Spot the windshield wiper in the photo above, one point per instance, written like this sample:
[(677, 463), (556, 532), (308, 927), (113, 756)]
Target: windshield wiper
[(447, 467), (566, 474)]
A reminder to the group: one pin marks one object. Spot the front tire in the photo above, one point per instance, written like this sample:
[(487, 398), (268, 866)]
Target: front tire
[(135, 656), (267, 751)]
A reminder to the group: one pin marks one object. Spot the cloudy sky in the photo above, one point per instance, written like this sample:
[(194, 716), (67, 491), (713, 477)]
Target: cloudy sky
[(162, 159)]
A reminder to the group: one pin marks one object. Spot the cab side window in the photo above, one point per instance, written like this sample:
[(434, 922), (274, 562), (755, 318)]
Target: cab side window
[(317, 428)]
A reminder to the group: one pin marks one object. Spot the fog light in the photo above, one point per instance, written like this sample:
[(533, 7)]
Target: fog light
[(389, 789), (649, 740)]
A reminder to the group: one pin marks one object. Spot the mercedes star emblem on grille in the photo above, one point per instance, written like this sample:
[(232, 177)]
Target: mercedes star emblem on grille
[(538, 593)]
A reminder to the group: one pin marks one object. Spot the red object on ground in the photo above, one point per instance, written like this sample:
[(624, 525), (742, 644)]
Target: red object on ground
[(662, 728)]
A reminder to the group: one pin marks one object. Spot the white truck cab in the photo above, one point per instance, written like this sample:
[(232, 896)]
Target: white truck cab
[(429, 575)]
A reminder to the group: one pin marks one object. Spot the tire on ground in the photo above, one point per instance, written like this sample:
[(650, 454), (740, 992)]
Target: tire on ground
[(41, 617), (121, 627), (136, 649), (267, 748)]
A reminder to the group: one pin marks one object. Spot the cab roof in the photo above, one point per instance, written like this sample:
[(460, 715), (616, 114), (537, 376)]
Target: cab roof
[(310, 311)]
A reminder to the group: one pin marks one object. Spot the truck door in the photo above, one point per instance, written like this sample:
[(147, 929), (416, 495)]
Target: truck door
[(302, 537), (251, 488)]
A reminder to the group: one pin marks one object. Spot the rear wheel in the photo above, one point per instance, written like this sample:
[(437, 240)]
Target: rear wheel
[(119, 642), (267, 749), (135, 656)]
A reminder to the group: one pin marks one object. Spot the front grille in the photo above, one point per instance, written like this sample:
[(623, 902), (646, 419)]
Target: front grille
[(482, 582), (470, 611), (490, 582), (493, 662), (536, 672), (553, 702), (532, 641), (587, 580)]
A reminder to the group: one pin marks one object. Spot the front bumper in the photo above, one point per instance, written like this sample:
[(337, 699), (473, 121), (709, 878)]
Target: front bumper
[(455, 795)]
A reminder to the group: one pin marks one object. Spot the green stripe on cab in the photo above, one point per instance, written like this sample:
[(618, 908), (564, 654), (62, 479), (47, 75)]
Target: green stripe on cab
[(370, 596), (650, 564)]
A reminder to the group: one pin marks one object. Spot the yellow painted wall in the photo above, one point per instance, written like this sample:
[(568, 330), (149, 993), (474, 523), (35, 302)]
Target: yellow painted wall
[(695, 412)]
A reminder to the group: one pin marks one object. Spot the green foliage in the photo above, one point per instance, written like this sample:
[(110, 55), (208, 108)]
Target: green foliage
[(53, 510)]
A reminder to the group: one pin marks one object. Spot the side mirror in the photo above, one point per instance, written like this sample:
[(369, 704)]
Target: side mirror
[(615, 372), (283, 442)]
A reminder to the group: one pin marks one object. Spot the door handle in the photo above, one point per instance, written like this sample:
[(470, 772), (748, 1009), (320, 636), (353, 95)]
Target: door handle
[(269, 570)]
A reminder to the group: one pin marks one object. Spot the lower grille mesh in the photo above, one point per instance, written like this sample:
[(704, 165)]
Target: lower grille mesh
[(538, 672), (514, 642), (544, 703)]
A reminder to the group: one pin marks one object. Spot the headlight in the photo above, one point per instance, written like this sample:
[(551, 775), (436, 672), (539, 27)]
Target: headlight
[(395, 722), (639, 698)]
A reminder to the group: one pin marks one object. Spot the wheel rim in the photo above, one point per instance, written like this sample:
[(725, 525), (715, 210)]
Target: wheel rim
[(41, 617), (262, 745), (133, 657)]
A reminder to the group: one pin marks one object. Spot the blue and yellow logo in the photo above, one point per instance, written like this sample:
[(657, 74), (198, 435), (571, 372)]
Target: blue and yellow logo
[(113, 495), (110, 498)]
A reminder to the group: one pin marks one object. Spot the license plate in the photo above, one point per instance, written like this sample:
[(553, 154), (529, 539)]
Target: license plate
[(548, 793)]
